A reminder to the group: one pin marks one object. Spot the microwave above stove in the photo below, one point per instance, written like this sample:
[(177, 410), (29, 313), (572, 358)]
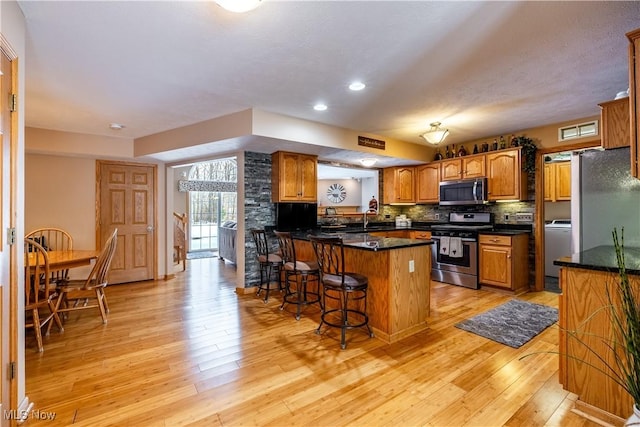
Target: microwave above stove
[(464, 192)]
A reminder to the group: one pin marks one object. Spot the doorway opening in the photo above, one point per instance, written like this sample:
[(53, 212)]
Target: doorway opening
[(211, 202)]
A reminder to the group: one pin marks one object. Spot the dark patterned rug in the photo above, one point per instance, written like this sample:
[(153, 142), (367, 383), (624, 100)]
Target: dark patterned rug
[(512, 323)]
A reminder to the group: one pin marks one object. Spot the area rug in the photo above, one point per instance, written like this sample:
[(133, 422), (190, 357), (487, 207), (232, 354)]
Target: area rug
[(513, 323), (201, 254)]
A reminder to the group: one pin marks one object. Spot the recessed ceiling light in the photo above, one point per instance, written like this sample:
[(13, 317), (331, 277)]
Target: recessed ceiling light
[(357, 86), (116, 126), (239, 6), (368, 162), (320, 107)]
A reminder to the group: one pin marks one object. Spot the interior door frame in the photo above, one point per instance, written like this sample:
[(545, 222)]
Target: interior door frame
[(539, 203), (12, 385), (99, 231)]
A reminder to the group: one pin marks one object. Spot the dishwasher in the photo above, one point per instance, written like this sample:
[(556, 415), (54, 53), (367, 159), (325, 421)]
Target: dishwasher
[(557, 243)]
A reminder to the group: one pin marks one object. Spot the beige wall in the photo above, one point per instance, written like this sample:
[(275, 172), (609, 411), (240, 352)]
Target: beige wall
[(61, 192), (60, 174)]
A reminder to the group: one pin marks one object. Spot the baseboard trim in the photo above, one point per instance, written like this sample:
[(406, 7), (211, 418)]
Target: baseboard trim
[(245, 291), (597, 415), (169, 276)]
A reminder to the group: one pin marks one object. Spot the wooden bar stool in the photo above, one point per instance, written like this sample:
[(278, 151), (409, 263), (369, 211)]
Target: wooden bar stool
[(270, 263), (297, 274), (347, 291)]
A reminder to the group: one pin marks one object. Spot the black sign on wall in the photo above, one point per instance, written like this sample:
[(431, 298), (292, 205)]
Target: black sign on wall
[(370, 142)]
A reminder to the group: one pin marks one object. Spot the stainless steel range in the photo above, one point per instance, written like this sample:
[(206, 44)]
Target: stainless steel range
[(455, 251)]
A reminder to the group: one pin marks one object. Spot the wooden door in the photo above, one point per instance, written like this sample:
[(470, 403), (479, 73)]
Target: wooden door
[(474, 167), (549, 182), (308, 177), (503, 169), (428, 183), (563, 181), (451, 169), (289, 178), (12, 320), (404, 185), (495, 265), (127, 201)]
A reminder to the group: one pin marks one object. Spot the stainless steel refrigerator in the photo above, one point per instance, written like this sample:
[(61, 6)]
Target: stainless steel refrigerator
[(604, 196)]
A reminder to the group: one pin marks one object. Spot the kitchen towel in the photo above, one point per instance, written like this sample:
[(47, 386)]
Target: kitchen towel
[(455, 247), (444, 245)]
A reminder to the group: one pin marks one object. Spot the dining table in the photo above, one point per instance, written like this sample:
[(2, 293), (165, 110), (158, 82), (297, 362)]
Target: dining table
[(63, 260)]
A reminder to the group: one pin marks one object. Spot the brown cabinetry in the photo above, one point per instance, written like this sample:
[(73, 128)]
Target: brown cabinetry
[(294, 177), (463, 167), (504, 262), (614, 116), (634, 98), (585, 328), (428, 183), (420, 235), (505, 178), (398, 185), (557, 181)]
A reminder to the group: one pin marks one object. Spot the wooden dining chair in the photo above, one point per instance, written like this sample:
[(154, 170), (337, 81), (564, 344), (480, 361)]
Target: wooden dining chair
[(53, 239), (41, 297), (76, 294)]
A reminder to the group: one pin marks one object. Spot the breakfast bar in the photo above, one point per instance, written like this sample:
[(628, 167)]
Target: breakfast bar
[(399, 272), (585, 279)]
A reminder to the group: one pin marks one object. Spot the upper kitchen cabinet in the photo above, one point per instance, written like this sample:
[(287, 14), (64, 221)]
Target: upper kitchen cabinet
[(428, 183), (294, 177), (616, 128), (505, 178), (557, 181), (398, 185), (634, 98), (463, 167)]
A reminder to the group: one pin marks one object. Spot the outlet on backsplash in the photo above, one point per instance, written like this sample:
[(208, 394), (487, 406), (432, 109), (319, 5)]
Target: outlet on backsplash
[(524, 217), (507, 217)]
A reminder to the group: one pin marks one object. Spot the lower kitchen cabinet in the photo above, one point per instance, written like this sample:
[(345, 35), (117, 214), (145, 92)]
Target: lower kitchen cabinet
[(504, 262)]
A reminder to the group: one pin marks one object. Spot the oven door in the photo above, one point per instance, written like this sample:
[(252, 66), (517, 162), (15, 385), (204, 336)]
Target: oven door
[(466, 264)]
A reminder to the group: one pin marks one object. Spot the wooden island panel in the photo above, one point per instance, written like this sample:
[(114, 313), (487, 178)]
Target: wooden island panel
[(398, 301), (583, 308)]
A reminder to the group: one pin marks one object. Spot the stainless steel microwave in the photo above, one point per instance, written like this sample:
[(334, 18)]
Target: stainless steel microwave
[(464, 192)]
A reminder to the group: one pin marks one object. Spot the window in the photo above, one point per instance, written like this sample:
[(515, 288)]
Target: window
[(212, 201)]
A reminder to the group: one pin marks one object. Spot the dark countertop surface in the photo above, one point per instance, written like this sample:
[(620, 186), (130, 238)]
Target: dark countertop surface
[(602, 258), (364, 241), (498, 229)]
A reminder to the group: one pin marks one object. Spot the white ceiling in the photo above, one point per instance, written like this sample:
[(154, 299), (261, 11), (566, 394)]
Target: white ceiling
[(481, 68)]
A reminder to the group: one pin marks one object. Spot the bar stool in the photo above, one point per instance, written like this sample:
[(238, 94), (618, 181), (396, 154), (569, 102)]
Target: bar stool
[(269, 261), (344, 289), (299, 273)]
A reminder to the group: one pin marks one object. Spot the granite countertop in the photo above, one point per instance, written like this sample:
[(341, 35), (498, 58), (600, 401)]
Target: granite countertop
[(505, 232), (365, 241), (499, 229), (603, 258)]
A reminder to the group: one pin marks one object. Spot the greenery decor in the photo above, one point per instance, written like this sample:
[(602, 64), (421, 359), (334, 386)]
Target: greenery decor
[(528, 152), (625, 318)]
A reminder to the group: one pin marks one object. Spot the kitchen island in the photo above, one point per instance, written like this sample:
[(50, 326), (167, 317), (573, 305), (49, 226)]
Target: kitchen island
[(585, 278), (399, 272)]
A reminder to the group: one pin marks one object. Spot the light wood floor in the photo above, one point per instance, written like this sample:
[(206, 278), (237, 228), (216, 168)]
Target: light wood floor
[(189, 351)]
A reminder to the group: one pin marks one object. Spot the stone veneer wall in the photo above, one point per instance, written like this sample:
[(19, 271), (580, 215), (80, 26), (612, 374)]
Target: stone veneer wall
[(259, 211)]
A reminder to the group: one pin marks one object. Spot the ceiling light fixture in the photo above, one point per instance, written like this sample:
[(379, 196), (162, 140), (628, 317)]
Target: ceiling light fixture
[(320, 107), (436, 134), (116, 126), (357, 86), (368, 162), (239, 6)]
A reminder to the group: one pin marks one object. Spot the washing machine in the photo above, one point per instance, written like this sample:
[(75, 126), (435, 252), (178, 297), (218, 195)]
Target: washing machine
[(557, 243)]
